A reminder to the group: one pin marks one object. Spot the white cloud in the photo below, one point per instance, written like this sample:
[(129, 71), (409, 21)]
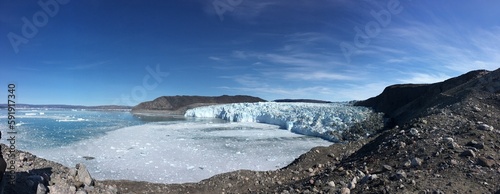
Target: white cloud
[(361, 91), (215, 58), (87, 65), (320, 76), (246, 80), (421, 78)]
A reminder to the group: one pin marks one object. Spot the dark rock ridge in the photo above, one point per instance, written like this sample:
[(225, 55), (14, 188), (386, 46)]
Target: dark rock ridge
[(302, 100), (179, 104), (404, 101)]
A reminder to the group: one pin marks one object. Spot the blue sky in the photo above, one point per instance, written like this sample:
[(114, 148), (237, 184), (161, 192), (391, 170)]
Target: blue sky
[(124, 52)]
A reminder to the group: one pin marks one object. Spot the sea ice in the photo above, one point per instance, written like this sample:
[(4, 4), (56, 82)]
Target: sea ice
[(183, 152)]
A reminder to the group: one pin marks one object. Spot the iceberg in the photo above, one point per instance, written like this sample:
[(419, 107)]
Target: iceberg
[(328, 120)]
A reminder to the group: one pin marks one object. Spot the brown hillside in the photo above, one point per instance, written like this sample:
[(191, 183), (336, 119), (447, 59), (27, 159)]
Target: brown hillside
[(179, 104)]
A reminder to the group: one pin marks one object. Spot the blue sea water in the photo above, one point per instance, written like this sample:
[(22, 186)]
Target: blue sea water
[(49, 128)]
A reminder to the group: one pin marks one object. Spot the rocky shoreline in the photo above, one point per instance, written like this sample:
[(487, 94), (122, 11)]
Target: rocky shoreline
[(441, 138), (31, 174)]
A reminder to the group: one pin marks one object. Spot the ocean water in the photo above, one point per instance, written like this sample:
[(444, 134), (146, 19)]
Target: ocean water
[(41, 128), (120, 145)]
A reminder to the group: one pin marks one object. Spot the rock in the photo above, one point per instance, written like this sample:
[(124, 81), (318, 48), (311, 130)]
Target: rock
[(83, 175), (345, 190), (112, 189), (402, 145), (22, 157), (467, 153), (387, 167), (475, 144), (360, 173), (41, 189), (482, 161), (416, 162), (331, 184), (79, 184), (407, 163), (414, 132), (352, 184), (448, 140), (485, 127), (72, 172), (453, 162), (400, 174), (81, 192), (453, 145), (59, 189), (437, 192), (368, 178)]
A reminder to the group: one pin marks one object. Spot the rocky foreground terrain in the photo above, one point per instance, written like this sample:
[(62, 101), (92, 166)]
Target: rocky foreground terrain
[(177, 105), (438, 138)]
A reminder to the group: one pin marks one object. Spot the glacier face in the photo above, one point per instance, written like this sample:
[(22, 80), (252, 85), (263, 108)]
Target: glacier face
[(327, 121)]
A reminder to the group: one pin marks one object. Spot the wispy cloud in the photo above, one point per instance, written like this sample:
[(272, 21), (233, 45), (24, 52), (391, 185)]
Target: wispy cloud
[(247, 80), (87, 65), (361, 91), (317, 75), (422, 78), (445, 46), (271, 93), (307, 72), (215, 58)]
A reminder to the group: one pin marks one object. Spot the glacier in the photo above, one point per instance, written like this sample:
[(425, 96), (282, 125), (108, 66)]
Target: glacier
[(325, 120)]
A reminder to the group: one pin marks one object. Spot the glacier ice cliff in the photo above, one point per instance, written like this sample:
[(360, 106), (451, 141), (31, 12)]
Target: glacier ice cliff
[(327, 121)]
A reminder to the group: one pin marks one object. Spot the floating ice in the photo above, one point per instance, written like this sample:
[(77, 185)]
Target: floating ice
[(321, 120), (183, 152)]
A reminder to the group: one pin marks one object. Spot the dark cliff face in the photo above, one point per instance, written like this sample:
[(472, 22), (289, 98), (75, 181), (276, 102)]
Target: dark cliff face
[(405, 101), (172, 103)]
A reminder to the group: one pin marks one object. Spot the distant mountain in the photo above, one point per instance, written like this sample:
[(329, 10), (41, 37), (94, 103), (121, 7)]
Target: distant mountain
[(179, 104), (302, 100), (62, 106)]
